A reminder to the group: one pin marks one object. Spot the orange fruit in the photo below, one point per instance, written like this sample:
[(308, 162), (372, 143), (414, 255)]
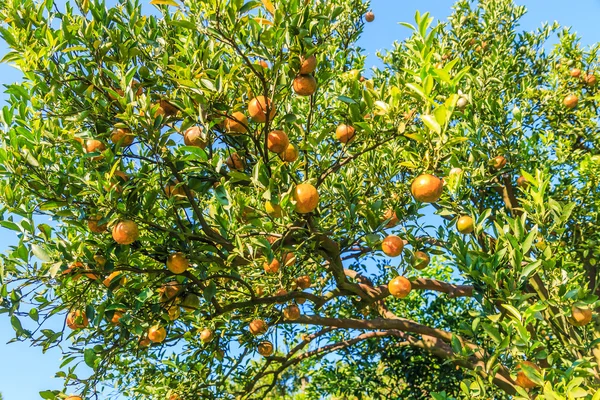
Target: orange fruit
[(258, 327), (290, 154), (236, 123), (125, 232), (145, 342), (308, 65), (157, 334), (193, 136), (190, 302), (289, 259), (580, 316), (345, 133), (235, 162), (206, 336), (272, 267), (122, 137), (575, 72), (94, 146), (392, 246), (116, 317), (291, 313), (277, 141), (303, 282), (306, 197), (499, 162), (522, 181), (427, 188), (280, 292), (370, 16), (77, 319), (399, 287), (390, 215), (265, 348), (522, 379), (257, 108), (571, 101), (421, 260), (166, 109), (263, 64), (177, 263), (305, 85), (465, 224), (590, 79), (73, 398), (93, 225)]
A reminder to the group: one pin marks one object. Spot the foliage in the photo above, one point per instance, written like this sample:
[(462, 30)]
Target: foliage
[(471, 100)]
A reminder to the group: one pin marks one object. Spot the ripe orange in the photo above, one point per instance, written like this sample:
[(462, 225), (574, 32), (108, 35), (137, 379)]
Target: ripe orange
[(306, 197), (370, 16), (392, 246), (590, 79), (575, 72), (427, 188), (580, 316), (236, 123), (265, 348), (174, 396), (421, 260), (207, 335), (280, 292), (94, 226), (291, 313), (125, 232), (166, 109), (522, 181), (263, 64), (116, 317), (77, 319), (499, 162), (390, 215), (258, 327), (157, 334), (234, 161), (571, 101), (257, 108), (272, 267), (288, 259), (465, 224), (122, 137), (145, 342), (94, 146), (305, 85), (345, 133), (177, 263), (277, 141), (308, 65), (303, 282), (193, 136), (73, 398), (522, 379), (290, 154), (399, 287)]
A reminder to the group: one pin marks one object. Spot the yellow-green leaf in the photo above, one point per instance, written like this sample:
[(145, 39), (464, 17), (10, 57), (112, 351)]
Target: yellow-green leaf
[(431, 123), (269, 6), (164, 3)]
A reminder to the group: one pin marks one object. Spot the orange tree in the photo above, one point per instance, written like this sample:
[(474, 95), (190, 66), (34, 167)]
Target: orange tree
[(237, 211)]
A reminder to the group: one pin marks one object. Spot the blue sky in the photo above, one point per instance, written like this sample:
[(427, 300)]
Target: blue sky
[(25, 371)]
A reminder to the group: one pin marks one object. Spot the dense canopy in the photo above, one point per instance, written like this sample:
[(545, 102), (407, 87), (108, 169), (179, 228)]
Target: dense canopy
[(216, 200)]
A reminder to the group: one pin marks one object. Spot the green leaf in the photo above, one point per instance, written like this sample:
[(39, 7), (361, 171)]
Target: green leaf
[(40, 253), (209, 291), (347, 100), (431, 123), (89, 356), (164, 3)]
